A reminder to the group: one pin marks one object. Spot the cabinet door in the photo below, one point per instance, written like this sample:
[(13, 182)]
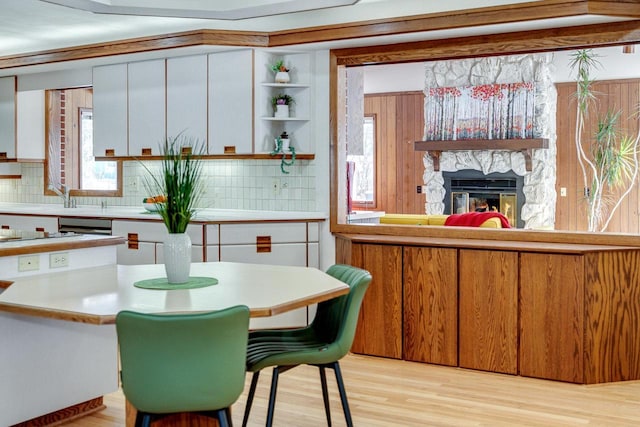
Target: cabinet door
[(488, 328), (277, 254), (146, 102), (136, 253), (552, 316), (231, 102), (379, 331), (187, 97), (30, 119), (8, 117), (110, 110), (430, 305)]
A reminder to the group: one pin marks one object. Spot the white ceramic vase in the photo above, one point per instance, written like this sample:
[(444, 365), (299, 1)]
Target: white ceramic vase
[(177, 257), (282, 77), (282, 111)]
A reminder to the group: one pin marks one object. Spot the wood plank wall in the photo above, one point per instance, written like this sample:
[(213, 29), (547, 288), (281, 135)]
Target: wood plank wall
[(399, 122), (614, 95)]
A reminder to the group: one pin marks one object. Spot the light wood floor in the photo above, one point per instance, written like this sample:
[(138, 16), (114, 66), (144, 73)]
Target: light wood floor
[(386, 392)]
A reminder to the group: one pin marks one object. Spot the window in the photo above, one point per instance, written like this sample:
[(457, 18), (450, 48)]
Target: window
[(69, 155), (93, 175), (363, 167)]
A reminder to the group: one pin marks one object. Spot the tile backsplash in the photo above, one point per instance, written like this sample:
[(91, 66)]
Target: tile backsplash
[(229, 184)]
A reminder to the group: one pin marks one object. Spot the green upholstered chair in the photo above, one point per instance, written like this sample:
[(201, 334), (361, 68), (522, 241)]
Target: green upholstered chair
[(178, 363), (323, 343)]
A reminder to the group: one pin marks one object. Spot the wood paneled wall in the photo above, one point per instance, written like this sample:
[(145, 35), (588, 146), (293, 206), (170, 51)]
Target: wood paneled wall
[(399, 168), (614, 95)]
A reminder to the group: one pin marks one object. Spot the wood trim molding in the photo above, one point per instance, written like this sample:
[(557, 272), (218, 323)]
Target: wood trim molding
[(522, 12), (495, 44), (138, 45)]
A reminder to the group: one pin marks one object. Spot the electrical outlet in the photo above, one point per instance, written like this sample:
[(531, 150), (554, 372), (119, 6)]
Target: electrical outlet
[(563, 191), (276, 186), (59, 259), (29, 263)]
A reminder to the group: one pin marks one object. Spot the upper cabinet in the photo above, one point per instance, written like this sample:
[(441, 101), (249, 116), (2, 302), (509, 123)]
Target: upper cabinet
[(30, 125), (187, 97), (223, 99), (146, 99), (231, 102), (110, 126), (297, 123), (7, 117)]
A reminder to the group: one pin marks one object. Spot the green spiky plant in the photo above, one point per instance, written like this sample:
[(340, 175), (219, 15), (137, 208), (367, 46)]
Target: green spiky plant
[(179, 180), (610, 163)]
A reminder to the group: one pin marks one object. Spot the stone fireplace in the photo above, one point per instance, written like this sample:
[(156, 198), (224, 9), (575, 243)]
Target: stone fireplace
[(537, 208)]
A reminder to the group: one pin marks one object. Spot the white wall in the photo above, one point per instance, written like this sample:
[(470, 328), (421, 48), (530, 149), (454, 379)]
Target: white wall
[(410, 76)]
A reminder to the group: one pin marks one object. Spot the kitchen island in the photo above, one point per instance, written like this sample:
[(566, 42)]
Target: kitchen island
[(46, 364)]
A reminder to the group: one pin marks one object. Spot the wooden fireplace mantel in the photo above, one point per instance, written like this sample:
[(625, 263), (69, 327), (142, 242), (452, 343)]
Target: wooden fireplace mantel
[(526, 146)]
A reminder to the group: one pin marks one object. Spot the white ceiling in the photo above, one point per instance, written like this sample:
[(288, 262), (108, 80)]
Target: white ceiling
[(34, 25)]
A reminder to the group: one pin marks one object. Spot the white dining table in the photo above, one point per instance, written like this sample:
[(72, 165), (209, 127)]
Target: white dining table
[(59, 346)]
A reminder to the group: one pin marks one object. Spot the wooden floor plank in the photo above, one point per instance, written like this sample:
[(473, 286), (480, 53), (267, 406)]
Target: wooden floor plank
[(385, 392)]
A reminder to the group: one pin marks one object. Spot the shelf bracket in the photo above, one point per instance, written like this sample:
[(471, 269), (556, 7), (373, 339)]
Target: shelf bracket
[(528, 154), (435, 156)]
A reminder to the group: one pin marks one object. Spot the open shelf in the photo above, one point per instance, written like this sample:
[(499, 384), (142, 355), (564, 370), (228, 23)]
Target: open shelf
[(526, 146)]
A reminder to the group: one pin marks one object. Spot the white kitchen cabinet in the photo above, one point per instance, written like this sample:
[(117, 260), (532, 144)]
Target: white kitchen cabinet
[(144, 241), (231, 102), (30, 223), (110, 125), (212, 238), (284, 243), (30, 125), (8, 117), (187, 97), (146, 106), (299, 125)]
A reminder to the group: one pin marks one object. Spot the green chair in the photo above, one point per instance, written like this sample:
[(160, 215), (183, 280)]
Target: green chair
[(323, 343), (183, 362)]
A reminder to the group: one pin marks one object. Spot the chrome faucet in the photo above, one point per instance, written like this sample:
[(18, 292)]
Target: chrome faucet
[(66, 195)]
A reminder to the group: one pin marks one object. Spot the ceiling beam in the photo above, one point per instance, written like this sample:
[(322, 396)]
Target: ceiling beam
[(597, 35)]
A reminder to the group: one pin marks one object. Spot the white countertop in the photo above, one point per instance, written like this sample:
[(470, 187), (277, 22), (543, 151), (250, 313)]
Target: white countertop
[(138, 212)]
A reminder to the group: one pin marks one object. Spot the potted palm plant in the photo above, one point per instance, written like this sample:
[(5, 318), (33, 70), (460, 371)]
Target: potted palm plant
[(179, 180)]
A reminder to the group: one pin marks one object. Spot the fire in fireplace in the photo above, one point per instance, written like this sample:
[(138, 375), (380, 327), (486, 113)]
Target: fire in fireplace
[(472, 190)]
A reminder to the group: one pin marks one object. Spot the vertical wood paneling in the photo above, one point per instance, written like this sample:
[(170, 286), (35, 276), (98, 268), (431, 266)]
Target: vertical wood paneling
[(612, 95), (379, 331), (488, 286), (399, 168), (431, 305), (551, 316), (612, 310)]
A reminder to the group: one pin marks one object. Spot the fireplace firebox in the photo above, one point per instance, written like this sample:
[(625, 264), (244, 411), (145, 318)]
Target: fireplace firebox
[(472, 190)]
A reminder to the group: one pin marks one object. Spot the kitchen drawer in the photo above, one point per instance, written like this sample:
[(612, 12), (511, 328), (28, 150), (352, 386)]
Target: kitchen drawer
[(213, 234), (152, 231), (285, 232), (30, 223)]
